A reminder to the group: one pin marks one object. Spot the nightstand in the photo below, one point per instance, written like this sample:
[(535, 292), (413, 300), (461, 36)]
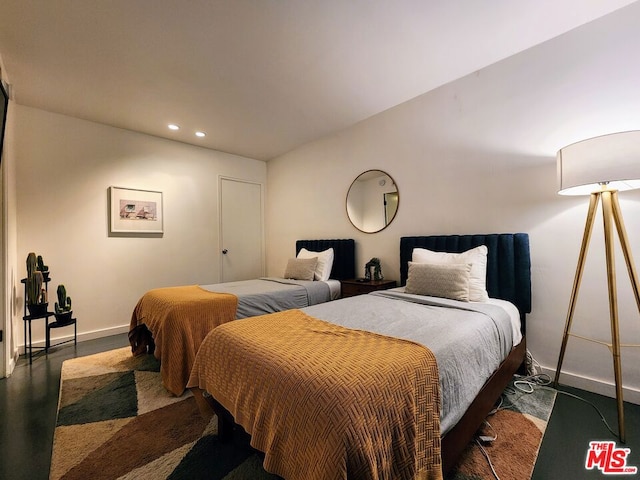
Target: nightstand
[(355, 286)]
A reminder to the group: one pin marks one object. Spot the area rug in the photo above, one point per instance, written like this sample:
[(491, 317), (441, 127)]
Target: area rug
[(513, 437), (116, 421)]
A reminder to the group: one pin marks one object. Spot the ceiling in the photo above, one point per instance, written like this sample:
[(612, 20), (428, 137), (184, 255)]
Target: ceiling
[(260, 77)]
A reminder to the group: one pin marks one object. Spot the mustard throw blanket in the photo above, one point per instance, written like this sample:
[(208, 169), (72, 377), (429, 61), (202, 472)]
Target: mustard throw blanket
[(323, 401), (179, 318)]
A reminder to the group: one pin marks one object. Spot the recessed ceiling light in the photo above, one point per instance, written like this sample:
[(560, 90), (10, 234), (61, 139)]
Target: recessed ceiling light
[(173, 126), (200, 134)]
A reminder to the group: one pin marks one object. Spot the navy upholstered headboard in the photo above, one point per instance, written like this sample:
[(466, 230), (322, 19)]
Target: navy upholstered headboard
[(344, 255), (508, 261)]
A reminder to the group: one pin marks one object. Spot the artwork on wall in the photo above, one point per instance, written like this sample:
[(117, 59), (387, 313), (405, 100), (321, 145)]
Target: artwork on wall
[(135, 212)]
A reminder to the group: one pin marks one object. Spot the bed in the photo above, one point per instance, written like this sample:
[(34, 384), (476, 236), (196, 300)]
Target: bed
[(171, 322), (371, 381)]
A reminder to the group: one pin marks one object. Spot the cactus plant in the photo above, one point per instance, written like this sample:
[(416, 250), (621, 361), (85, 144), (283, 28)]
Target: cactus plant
[(40, 263), (42, 267), (36, 294), (32, 264), (63, 311), (34, 289), (64, 303)]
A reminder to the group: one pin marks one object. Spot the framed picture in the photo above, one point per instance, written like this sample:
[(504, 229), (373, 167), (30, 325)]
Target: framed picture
[(134, 211)]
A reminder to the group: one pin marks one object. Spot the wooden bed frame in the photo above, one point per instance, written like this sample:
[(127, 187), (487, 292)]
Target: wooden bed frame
[(508, 278)]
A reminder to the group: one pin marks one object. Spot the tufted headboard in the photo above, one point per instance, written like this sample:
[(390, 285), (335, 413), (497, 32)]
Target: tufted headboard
[(344, 251), (508, 261)]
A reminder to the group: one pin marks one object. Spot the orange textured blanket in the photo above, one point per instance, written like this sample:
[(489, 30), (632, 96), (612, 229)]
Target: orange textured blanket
[(323, 401), (179, 319)]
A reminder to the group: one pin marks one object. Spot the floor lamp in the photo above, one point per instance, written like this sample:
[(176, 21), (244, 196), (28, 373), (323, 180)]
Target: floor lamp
[(600, 167)]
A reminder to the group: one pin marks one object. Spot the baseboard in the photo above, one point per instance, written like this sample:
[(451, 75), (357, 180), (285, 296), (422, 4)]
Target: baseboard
[(106, 332), (13, 361), (82, 337), (608, 389)]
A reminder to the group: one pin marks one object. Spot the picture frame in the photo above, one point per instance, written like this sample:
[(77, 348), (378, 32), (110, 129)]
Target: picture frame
[(134, 212)]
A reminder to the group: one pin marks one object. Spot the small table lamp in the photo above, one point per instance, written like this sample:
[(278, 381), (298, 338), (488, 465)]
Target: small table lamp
[(601, 167)]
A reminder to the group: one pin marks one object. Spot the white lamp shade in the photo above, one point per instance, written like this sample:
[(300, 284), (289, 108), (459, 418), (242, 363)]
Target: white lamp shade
[(613, 159)]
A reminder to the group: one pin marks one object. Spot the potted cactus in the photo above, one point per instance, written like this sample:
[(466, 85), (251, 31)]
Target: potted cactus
[(36, 293), (63, 306), (42, 267)]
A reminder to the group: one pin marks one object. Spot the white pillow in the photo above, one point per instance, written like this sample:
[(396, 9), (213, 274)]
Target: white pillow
[(446, 280), (477, 257), (325, 262), (300, 268)]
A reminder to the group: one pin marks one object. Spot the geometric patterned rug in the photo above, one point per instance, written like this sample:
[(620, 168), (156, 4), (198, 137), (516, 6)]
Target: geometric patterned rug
[(116, 421)]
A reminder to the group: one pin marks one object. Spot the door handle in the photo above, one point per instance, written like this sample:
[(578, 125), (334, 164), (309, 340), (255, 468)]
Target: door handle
[(224, 251)]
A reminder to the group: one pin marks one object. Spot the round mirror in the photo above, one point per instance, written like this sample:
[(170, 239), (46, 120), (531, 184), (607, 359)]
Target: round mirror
[(372, 201)]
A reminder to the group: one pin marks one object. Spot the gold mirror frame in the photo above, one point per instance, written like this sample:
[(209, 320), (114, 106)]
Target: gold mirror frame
[(372, 201)]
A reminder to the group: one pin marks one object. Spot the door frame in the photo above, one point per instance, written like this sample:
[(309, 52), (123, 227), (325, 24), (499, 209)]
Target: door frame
[(4, 316), (222, 178)]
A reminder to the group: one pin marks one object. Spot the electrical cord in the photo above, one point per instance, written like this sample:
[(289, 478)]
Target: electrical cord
[(544, 381), (488, 438), (497, 407), (531, 364), (480, 439), (526, 385), (529, 383), (486, 455), (604, 420)]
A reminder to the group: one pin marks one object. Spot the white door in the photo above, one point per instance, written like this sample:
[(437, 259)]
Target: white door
[(241, 230)]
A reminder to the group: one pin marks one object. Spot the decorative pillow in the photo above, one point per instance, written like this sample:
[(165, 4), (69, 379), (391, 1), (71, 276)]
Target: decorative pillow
[(325, 262), (439, 280), (301, 268), (477, 257)]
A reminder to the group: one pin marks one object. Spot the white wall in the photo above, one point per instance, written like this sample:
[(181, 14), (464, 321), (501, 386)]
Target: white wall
[(64, 167), (478, 156)]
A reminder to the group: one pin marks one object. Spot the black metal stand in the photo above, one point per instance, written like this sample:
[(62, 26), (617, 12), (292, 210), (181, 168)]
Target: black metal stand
[(57, 324), (48, 326), (27, 320)]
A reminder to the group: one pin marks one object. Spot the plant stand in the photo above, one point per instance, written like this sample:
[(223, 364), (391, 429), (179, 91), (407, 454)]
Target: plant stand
[(57, 324), (27, 318), (29, 347)]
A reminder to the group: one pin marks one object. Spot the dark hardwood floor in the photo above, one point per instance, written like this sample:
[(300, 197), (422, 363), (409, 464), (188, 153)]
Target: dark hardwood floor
[(29, 398), (29, 401), (573, 424)]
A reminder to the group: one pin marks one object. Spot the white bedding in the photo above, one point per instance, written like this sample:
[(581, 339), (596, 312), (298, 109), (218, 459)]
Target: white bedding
[(334, 288), (469, 339), (272, 294)]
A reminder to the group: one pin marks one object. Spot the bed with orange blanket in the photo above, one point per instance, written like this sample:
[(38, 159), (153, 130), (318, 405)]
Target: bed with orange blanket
[(370, 388), (171, 322), (306, 381), (167, 312)]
